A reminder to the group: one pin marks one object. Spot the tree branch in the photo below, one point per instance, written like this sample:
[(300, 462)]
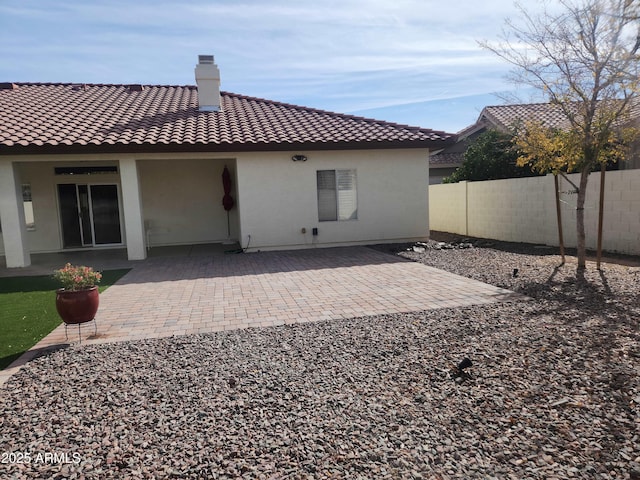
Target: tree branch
[(564, 175)]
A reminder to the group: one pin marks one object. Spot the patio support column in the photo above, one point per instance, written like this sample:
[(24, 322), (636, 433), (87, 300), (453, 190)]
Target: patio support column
[(132, 207), (14, 228)]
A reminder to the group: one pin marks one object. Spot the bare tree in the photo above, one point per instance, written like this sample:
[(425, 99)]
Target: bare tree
[(583, 55)]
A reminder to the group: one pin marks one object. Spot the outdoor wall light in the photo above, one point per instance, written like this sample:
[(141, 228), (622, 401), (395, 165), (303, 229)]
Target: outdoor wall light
[(299, 158)]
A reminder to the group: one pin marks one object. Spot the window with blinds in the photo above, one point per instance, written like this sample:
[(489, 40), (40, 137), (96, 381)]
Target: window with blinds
[(337, 195)]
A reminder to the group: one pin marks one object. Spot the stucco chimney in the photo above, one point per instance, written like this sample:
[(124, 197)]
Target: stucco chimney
[(208, 81)]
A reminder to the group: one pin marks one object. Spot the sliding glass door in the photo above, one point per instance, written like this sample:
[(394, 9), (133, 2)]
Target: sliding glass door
[(90, 215)]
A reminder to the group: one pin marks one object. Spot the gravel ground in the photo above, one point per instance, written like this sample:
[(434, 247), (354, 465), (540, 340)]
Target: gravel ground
[(554, 390)]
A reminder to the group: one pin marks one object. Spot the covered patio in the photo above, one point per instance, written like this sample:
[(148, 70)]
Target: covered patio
[(110, 259)]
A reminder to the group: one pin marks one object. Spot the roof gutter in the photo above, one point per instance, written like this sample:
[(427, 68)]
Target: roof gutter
[(223, 147)]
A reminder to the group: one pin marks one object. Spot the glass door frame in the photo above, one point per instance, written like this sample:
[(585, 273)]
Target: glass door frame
[(92, 244)]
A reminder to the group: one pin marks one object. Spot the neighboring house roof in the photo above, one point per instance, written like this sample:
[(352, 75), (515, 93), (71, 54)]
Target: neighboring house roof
[(506, 116), (444, 159), (67, 118), (549, 114), (500, 117), (453, 155)]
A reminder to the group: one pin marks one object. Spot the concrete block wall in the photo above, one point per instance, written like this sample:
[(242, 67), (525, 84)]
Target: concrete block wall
[(508, 210), (523, 210), (621, 225), (451, 213)]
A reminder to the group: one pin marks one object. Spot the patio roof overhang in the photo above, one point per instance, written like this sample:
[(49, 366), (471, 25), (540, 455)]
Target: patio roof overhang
[(46, 149)]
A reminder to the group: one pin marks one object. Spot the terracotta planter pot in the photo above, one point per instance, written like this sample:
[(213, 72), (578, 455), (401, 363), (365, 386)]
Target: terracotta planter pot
[(77, 306)]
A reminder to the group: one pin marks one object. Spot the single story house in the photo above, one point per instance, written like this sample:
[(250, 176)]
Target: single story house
[(504, 118), (113, 166)]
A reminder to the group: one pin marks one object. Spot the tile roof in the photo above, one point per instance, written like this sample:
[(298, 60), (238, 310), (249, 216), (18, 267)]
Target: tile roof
[(447, 159), (61, 118), (504, 117), (551, 115)]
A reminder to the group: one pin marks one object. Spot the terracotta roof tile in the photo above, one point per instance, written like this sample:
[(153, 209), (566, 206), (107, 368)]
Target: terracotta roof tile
[(59, 116), (446, 159), (549, 114)]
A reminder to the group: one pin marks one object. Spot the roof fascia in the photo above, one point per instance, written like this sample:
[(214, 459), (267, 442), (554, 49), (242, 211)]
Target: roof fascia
[(219, 148)]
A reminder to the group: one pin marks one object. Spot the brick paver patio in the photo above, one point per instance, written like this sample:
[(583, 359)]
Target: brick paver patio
[(168, 296)]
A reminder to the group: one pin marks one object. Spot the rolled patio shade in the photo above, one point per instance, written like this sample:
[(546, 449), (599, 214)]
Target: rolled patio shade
[(227, 200)]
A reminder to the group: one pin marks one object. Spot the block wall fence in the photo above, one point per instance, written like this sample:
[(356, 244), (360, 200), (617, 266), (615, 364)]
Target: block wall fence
[(524, 210)]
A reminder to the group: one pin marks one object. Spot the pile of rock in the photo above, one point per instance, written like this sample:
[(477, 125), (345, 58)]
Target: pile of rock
[(421, 247)]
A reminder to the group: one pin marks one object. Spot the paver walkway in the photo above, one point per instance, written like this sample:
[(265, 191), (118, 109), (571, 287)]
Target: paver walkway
[(168, 296)]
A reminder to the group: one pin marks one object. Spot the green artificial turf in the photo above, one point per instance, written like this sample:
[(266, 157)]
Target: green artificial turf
[(28, 311)]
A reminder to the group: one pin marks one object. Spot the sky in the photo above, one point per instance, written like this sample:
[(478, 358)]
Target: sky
[(414, 62)]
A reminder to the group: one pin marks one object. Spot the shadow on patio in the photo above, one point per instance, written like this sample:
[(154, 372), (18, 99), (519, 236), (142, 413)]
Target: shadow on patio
[(109, 259), (190, 262)]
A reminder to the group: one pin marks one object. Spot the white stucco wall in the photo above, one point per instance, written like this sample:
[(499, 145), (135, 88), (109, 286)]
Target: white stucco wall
[(279, 198), (182, 200), (47, 236), (12, 216), (181, 197)]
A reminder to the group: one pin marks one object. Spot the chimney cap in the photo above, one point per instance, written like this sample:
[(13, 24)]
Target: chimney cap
[(205, 59)]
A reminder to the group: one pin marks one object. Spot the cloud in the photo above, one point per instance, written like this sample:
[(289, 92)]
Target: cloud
[(342, 55)]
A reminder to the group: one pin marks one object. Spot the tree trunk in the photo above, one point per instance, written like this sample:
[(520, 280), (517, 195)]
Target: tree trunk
[(559, 217), (603, 170), (581, 237)]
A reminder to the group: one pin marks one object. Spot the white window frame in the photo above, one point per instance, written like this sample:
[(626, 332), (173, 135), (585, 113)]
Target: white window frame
[(339, 202)]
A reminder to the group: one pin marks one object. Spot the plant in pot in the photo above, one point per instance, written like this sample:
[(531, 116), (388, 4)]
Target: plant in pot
[(77, 301)]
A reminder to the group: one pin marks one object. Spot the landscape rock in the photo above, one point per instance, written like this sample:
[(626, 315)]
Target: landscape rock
[(552, 391)]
